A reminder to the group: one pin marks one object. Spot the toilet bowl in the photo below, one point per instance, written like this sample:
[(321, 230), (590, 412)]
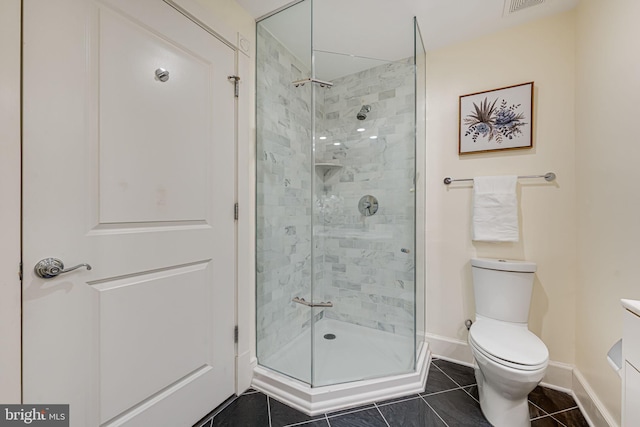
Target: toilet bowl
[(509, 359), (510, 362)]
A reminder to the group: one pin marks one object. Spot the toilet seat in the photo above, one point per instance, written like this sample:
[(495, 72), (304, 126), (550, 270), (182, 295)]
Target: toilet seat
[(509, 344)]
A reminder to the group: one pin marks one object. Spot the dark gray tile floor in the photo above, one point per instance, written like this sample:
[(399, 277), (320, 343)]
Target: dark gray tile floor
[(450, 399)]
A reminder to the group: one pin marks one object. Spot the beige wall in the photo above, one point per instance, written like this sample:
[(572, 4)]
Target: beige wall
[(608, 176), (542, 52), (10, 201), (226, 17)]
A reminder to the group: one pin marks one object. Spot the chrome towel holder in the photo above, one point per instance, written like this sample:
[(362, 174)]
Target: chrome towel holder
[(549, 176)]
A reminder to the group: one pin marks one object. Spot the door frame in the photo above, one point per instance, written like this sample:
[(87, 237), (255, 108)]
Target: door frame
[(10, 193), (223, 28)]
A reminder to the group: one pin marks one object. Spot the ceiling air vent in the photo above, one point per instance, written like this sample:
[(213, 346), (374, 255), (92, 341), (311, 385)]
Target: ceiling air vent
[(513, 6)]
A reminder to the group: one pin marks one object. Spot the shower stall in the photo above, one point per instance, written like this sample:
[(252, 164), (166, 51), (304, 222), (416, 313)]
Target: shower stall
[(339, 286)]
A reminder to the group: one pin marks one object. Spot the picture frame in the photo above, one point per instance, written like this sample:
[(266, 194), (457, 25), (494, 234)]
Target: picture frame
[(497, 119)]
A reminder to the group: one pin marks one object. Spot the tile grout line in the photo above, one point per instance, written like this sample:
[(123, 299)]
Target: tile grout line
[(311, 421), (554, 413), (381, 414), (398, 401), (550, 417), (446, 391), (269, 410), (219, 410), (556, 420), (348, 412), (543, 411), (301, 423), (326, 417), (454, 381), (564, 410), (434, 411), (560, 412), (470, 395)]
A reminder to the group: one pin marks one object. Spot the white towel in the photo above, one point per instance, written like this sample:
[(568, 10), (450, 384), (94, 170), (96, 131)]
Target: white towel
[(495, 209)]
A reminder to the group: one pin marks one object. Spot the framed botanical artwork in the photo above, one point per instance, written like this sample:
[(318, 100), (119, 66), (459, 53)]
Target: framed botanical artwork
[(498, 119)]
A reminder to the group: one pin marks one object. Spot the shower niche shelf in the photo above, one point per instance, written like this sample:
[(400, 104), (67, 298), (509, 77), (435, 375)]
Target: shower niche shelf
[(327, 170)]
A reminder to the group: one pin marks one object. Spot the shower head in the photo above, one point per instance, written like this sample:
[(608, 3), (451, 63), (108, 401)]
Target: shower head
[(362, 114)]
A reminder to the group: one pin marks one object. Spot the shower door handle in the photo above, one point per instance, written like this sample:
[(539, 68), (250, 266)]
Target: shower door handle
[(311, 304), (322, 304)]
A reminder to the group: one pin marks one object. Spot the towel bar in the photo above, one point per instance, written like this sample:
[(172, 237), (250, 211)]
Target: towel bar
[(549, 176)]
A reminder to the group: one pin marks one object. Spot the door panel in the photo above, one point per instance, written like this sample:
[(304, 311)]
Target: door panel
[(135, 177), (134, 311), (176, 179)]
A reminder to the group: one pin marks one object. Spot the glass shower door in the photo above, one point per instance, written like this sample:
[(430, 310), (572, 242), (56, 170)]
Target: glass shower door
[(364, 218), (283, 191), (336, 204)]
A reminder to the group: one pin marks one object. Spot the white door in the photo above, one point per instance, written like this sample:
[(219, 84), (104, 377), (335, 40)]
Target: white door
[(134, 176)]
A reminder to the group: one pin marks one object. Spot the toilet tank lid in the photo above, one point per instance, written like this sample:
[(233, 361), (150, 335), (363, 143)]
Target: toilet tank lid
[(504, 265)]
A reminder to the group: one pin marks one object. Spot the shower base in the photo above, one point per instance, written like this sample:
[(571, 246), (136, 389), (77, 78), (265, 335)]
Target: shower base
[(356, 352)]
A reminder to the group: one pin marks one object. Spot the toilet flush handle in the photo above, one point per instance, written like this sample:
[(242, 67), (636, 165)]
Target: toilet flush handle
[(468, 323)]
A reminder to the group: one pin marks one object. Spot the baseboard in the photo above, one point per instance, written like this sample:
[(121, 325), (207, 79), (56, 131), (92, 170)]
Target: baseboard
[(446, 348), (592, 408), (319, 400), (244, 371), (559, 376)]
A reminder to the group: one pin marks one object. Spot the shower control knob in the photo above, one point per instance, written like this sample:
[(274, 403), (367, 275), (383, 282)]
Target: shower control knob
[(368, 205)]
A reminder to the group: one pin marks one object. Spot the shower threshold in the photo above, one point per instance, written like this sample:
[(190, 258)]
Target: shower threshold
[(317, 400)]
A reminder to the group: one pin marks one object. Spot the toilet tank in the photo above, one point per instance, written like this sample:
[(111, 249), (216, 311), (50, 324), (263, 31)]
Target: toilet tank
[(502, 288)]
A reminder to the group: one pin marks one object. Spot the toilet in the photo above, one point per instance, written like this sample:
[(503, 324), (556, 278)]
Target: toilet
[(510, 359)]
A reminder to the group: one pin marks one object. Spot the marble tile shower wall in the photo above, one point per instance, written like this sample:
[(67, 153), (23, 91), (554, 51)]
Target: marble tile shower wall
[(365, 272), (359, 265), (283, 252)]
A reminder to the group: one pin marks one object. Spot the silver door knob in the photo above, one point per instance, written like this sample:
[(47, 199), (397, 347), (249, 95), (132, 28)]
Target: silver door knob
[(51, 267)]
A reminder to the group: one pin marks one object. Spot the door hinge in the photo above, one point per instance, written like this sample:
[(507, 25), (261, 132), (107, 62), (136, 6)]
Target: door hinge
[(235, 211), (236, 82), (235, 334), (20, 271)]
